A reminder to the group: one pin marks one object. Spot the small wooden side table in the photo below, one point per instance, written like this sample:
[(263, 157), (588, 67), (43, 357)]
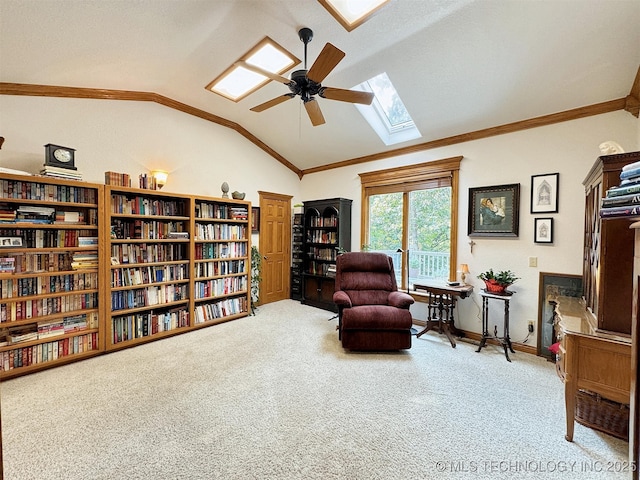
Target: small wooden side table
[(504, 340), (441, 303)]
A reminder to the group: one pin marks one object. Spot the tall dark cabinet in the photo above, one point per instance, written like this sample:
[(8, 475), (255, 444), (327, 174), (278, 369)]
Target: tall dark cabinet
[(297, 255), (608, 249), (327, 232)]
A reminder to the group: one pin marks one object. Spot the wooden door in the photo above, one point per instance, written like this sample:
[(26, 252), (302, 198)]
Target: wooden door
[(275, 246)]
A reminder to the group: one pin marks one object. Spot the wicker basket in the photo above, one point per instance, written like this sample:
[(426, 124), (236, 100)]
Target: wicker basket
[(596, 412)]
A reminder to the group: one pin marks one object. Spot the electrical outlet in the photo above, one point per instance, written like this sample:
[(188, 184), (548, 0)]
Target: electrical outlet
[(533, 261), (530, 326)]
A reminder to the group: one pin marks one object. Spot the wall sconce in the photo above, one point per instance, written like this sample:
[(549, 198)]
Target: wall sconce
[(160, 177), (464, 270)]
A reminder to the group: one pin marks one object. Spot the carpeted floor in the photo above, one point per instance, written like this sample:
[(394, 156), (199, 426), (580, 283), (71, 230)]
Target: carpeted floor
[(274, 396)]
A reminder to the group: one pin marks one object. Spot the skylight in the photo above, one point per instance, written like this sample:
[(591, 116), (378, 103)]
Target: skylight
[(387, 115), (237, 82), (352, 13)]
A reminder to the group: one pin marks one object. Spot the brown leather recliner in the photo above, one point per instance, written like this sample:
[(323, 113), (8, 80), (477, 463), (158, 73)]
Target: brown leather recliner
[(373, 314)]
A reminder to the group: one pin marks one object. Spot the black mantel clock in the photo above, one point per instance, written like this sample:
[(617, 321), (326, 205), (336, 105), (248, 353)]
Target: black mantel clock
[(61, 157)]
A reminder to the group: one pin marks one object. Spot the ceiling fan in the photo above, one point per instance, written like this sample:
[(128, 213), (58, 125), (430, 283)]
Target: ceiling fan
[(307, 83)]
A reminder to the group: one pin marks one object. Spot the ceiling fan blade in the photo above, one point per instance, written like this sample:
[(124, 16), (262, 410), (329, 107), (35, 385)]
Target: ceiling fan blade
[(351, 96), (273, 102), (261, 71), (329, 57), (313, 110)]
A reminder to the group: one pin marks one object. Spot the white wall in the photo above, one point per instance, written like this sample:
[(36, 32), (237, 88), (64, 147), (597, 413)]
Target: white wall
[(136, 137), (568, 148)]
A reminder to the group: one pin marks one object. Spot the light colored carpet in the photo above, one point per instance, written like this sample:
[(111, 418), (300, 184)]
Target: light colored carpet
[(274, 396)]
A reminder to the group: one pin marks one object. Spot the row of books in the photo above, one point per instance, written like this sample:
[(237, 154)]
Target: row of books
[(47, 352), (129, 277), (25, 286), (214, 269), (220, 231), (220, 286), (623, 200), (222, 212), (117, 179), (52, 328), (43, 306), (17, 189), (229, 306), (148, 253), (138, 205), (144, 297), (130, 327)]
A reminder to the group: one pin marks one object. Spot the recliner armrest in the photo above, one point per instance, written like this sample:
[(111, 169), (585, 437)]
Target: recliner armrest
[(400, 299), (341, 299)]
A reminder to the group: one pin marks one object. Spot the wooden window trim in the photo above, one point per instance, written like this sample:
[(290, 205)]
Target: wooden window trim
[(412, 177)]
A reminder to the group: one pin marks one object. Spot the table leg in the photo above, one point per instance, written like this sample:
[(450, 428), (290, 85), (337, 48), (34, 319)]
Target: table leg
[(485, 323)]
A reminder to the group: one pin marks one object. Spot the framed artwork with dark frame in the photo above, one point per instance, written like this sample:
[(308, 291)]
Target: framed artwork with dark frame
[(494, 211), (255, 219), (543, 230), (544, 193), (551, 286)]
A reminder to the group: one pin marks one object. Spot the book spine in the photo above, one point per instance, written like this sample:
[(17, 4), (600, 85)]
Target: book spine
[(619, 212), (618, 191)]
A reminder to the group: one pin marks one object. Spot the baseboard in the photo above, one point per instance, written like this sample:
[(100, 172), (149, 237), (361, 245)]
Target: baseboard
[(473, 337)]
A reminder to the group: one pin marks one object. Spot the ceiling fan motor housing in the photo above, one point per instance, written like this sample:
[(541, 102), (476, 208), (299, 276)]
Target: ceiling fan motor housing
[(301, 85)]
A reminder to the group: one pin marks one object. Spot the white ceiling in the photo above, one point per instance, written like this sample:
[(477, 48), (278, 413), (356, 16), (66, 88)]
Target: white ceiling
[(459, 65)]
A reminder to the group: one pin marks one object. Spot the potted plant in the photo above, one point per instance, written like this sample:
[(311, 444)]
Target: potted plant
[(256, 270), (498, 282)]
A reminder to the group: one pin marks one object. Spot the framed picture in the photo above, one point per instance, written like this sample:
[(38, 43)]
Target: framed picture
[(544, 193), (255, 219), (10, 242), (550, 286), (543, 230), (493, 211)]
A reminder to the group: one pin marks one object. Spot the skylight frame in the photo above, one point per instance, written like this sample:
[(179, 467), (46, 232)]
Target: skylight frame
[(376, 116), (342, 16), (266, 41)]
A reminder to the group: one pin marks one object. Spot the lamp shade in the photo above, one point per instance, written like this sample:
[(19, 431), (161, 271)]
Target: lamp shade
[(464, 268), (161, 177)]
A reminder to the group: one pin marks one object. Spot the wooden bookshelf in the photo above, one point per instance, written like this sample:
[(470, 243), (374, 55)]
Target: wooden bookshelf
[(222, 260), (50, 272), (149, 289), (87, 269)]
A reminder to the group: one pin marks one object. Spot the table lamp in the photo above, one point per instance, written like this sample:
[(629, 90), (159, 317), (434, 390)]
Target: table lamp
[(464, 270)]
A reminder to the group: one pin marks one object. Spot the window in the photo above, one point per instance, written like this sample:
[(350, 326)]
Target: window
[(411, 214), (387, 114), (236, 82), (352, 13)]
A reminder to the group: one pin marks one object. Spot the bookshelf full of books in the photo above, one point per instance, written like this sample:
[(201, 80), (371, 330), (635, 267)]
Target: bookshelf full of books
[(221, 259), (49, 272), (150, 254)]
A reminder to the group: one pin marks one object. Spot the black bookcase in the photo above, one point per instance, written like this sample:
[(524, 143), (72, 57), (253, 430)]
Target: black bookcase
[(327, 233), (297, 256)]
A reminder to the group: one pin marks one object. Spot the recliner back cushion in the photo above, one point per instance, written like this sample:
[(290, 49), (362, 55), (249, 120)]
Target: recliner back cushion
[(367, 278)]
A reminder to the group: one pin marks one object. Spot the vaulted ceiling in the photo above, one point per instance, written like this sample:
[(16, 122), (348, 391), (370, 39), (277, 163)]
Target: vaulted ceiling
[(460, 66)]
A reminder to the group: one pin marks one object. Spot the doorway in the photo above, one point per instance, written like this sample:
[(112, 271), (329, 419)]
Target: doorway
[(274, 245)]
